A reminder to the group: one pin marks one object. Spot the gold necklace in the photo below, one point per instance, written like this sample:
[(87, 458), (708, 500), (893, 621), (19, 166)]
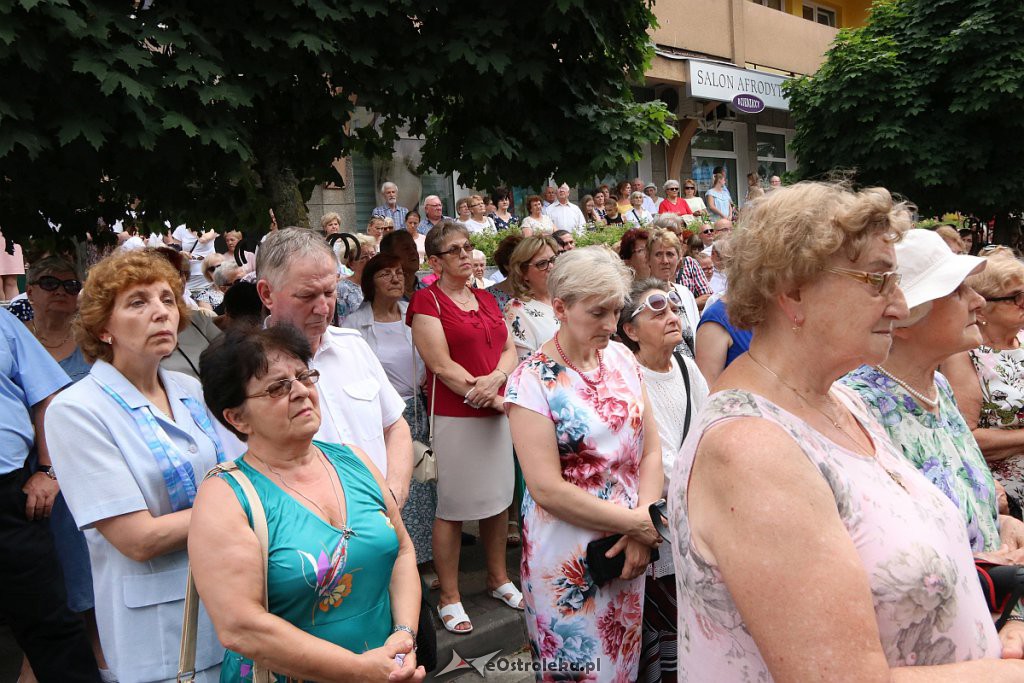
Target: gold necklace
[(468, 300), (42, 341), (312, 502), (897, 479)]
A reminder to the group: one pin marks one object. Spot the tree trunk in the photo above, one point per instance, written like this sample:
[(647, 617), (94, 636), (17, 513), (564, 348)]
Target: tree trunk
[(1007, 229), (282, 188)]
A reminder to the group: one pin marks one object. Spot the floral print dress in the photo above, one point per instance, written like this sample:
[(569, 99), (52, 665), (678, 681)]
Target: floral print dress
[(1001, 374), (331, 583), (940, 446), (600, 436), (532, 323), (912, 544)]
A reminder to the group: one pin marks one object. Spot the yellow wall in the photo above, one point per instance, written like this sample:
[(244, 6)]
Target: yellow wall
[(850, 13)]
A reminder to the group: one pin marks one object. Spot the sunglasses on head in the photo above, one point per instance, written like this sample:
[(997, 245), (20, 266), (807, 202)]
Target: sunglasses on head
[(49, 283), (658, 301)]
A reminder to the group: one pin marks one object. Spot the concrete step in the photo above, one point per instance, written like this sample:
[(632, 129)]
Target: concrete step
[(496, 627)]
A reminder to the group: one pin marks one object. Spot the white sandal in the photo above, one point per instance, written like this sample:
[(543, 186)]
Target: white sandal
[(514, 599), (458, 615)]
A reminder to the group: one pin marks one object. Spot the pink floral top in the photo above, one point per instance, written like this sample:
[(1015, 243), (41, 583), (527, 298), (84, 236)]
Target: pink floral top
[(913, 547)]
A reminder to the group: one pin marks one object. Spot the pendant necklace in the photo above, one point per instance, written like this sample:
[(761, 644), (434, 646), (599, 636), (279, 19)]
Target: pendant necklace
[(345, 530), (897, 479)]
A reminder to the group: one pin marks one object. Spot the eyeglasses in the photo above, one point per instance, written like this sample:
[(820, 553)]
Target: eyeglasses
[(689, 187), (671, 189), (283, 387), (658, 301), (466, 248), (473, 206), (49, 283), (885, 283), (1017, 298), (545, 264), (709, 231)]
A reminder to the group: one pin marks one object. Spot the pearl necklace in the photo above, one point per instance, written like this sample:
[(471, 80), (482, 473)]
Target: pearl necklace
[(930, 403), (897, 479), (600, 365)]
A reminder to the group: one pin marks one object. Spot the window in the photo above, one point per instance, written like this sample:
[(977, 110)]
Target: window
[(771, 154), (710, 149), (772, 4), (820, 14)]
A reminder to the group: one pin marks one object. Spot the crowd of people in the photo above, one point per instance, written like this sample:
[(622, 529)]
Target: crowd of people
[(738, 444)]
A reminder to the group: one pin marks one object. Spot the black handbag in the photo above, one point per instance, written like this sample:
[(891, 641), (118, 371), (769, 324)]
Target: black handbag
[(604, 569)]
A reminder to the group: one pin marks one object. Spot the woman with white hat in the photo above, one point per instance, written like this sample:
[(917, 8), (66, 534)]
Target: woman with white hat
[(914, 401)]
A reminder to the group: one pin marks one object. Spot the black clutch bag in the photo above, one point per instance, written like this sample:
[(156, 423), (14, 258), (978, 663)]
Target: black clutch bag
[(604, 569)]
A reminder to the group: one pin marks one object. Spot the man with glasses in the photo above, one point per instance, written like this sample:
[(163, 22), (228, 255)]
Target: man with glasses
[(433, 213), (298, 280), (564, 214), (722, 228), (390, 208), (566, 241)]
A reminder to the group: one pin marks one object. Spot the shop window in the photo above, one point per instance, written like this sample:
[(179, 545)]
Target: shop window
[(820, 14), (721, 140), (771, 154)]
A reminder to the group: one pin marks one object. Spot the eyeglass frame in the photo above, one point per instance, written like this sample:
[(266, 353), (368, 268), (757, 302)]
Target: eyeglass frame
[(390, 273), (466, 248), (548, 262), (1014, 298), (690, 187), (671, 298), (881, 281), (60, 283), (309, 378)]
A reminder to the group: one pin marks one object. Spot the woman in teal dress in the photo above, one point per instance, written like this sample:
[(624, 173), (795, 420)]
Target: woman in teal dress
[(343, 592)]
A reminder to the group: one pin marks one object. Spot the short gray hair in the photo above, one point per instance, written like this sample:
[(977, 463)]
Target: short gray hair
[(281, 249), (668, 221), (50, 265), (386, 185), (593, 271), (226, 273)]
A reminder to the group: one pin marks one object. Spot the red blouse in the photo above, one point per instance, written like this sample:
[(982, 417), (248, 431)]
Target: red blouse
[(475, 341), (680, 206)]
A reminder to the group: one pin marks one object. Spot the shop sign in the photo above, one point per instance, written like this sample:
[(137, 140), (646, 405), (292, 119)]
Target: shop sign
[(748, 104), (722, 83)]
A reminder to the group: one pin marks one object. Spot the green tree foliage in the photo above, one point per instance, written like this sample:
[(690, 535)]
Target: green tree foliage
[(214, 112), (925, 99)]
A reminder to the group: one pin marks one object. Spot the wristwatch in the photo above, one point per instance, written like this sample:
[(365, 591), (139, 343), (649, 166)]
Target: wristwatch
[(48, 471), (403, 627)]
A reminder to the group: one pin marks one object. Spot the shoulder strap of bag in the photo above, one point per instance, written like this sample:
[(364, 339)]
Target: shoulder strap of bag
[(190, 623), (433, 383), (689, 402)]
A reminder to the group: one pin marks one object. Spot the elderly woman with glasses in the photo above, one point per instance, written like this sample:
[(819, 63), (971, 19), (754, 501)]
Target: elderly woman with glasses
[(664, 252), (673, 203), (340, 586), (130, 443), (650, 327), (989, 380), (464, 342), (478, 220), (585, 435), (788, 481), (637, 215), (529, 314)]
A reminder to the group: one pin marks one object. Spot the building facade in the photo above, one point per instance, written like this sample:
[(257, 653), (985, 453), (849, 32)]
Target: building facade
[(719, 65)]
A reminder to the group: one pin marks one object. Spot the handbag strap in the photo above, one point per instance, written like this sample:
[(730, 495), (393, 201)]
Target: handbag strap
[(686, 382), (190, 623), (433, 382)]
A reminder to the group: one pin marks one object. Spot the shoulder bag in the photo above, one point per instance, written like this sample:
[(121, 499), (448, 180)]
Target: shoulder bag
[(424, 469), (189, 625)]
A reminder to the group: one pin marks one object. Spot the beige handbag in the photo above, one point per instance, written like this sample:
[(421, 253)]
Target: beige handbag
[(189, 625), (424, 468)]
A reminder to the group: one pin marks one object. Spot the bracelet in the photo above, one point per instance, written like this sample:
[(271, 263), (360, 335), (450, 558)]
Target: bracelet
[(1015, 617), (504, 373), (403, 627)]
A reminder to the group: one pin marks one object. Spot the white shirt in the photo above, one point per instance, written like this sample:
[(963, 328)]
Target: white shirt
[(543, 224), (532, 324), (196, 251), (638, 217), (106, 469), (475, 227), (718, 281), (397, 360), (651, 205), (357, 401), (566, 216)]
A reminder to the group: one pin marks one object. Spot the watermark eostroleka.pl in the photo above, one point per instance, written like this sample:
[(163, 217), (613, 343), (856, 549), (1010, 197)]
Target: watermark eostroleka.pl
[(491, 663)]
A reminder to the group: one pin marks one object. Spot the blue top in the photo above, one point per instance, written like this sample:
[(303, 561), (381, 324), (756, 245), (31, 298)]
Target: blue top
[(332, 583), (76, 365), (106, 469), (28, 374), (716, 313), (722, 199)]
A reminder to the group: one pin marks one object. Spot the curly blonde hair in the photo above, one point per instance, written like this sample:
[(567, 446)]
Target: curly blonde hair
[(786, 239), (110, 277), (1001, 276)]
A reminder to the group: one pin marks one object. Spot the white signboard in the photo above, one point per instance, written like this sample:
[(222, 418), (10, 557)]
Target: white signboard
[(709, 81)]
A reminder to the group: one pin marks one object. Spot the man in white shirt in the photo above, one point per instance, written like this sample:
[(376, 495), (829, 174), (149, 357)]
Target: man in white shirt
[(651, 199), (298, 283), (565, 215)]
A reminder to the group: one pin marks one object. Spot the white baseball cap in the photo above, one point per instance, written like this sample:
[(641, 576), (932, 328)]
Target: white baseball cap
[(929, 267)]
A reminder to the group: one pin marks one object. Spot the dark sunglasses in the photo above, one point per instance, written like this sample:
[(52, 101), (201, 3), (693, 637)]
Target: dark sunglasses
[(658, 301), (283, 387), (709, 231), (689, 187), (49, 283)]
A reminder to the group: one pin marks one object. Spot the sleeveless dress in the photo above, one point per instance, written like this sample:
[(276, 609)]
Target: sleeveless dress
[(574, 624), (1001, 374), (330, 584), (913, 547)]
